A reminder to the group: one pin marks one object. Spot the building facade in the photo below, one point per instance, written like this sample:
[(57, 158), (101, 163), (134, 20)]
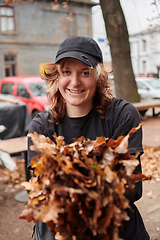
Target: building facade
[(145, 52), (31, 32)]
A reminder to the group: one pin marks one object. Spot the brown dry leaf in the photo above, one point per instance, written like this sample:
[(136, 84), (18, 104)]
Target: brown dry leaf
[(65, 4), (129, 165), (27, 214), (55, 7), (87, 24), (65, 23), (109, 174), (69, 18)]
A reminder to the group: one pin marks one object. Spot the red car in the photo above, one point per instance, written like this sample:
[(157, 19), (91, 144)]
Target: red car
[(28, 89)]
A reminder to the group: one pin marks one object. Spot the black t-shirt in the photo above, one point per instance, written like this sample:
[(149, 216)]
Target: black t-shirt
[(119, 119)]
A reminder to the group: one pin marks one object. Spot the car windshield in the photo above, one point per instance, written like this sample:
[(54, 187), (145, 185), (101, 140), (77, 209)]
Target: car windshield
[(38, 88), (154, 83)]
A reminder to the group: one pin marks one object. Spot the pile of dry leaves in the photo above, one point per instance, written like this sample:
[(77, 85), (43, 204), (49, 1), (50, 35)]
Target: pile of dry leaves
[(151, 163), (79, 188), (17, 176)]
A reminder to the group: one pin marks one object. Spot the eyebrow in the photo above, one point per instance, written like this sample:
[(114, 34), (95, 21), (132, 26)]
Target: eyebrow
[(86, 68)]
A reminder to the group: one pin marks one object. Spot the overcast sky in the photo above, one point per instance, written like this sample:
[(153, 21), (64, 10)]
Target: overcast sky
[(139, 14)]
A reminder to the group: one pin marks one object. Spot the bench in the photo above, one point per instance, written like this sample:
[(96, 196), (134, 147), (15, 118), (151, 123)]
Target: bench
[(15, 146), (144, 105)]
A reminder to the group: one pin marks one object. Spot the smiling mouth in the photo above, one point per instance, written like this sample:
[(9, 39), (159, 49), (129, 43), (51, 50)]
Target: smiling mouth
[(76, 91)]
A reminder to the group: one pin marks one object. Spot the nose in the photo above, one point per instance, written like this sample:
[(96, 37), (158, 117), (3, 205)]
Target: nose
[(75, 81)]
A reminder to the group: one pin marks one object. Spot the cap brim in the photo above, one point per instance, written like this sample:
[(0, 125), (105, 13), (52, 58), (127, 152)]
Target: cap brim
[(83, 57)]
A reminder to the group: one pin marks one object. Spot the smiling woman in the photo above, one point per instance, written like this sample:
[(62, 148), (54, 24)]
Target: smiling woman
[(82, 105)]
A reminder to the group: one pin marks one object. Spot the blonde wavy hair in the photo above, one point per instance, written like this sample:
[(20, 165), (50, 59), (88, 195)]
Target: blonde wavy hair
[(102, 99)]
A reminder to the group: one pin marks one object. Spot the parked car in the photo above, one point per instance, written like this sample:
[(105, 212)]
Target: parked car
[(148, 87), (28, 89)]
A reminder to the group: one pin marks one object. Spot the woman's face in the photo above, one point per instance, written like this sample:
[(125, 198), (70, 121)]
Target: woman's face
[(77, 84)]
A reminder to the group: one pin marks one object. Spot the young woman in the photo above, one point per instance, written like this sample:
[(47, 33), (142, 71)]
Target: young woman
[(81, 105)]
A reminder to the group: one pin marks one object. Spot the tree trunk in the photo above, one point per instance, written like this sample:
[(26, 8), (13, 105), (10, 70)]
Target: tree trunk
[(117, 34)]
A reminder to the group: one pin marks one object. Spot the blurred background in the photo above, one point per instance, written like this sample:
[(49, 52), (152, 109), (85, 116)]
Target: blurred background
[(127, 31)]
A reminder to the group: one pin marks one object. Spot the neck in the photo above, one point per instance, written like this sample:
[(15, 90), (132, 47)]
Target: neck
[(77, 111)]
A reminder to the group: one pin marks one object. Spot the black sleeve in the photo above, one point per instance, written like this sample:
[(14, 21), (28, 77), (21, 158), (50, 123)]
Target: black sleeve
[(126, 117), (42, 125), (138, 187)]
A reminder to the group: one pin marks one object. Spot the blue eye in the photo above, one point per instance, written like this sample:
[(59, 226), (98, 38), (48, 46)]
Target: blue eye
[(66, 72), (85, 73)]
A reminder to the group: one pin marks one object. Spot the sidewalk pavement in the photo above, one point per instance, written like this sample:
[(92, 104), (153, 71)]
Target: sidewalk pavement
[(149, 204), (151, 131)]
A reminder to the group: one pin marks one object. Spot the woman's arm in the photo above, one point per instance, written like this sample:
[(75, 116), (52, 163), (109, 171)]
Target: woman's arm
[(41, 124), (127, 117)]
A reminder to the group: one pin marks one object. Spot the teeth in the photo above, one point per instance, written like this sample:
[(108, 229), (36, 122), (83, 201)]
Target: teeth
[(75, 91)]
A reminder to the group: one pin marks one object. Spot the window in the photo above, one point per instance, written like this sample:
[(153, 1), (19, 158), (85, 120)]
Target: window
[(72, 24), (7, 88), (10, 65), (7, 21), (38, 89), (141, 86), (144, 45), (144, 66), (22, 91)]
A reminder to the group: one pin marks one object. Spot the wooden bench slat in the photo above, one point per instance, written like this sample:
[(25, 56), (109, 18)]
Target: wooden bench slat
[(147, 104), (14, 145)]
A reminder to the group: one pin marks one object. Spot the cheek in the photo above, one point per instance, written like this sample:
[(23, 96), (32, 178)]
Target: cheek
[(61, 89), (61, 84), (93, 86)]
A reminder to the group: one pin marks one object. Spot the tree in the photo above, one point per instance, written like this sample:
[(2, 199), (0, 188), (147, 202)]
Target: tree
[(117, 34)]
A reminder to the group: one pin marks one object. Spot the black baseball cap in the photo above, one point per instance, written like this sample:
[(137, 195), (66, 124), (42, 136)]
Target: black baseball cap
[(85, 49)]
